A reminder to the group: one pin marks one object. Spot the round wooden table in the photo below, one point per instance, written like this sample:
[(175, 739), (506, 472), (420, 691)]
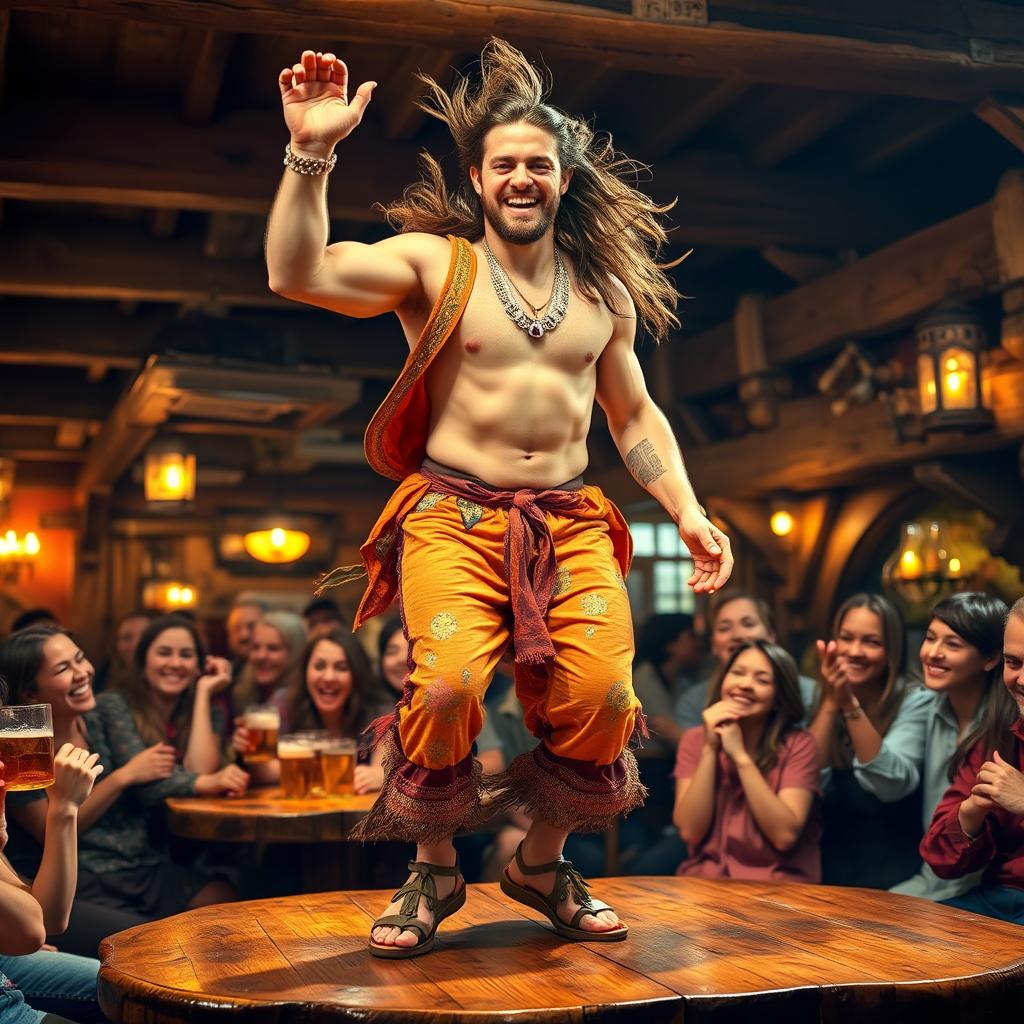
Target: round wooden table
[(321, 825), (698, 951)]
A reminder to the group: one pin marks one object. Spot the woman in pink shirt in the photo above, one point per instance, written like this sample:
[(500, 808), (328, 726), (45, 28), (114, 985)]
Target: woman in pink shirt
[(747, 781)]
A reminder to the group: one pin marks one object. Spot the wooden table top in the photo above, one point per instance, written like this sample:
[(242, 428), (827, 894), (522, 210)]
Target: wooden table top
[(265, 816), (698, 950)]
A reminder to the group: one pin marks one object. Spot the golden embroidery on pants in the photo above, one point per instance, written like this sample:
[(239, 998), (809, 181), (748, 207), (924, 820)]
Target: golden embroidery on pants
[(443, 625), (441, 700), (430, 659), (591, 632), (617, 698), (594, 604), (428, 501), (382, 545), (471, 512), (563, 580), (466, 677), (618, 579), (438, 750)]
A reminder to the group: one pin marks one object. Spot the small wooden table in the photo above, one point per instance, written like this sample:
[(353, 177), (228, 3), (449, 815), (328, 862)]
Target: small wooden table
[(320, 825), (699, 951)]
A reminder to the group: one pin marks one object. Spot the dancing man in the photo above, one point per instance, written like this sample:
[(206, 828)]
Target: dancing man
[(492, 537)]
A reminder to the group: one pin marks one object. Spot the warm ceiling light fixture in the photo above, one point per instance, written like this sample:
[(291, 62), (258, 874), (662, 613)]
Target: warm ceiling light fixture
[(926, 564), (170, 472), (781, 522), (949, 344), (276, 542), (169, 595)]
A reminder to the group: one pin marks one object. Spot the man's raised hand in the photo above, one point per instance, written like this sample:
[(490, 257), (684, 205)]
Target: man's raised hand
[(317, 110)]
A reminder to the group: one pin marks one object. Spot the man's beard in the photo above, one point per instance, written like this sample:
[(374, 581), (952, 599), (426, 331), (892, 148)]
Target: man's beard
[(520, 233)]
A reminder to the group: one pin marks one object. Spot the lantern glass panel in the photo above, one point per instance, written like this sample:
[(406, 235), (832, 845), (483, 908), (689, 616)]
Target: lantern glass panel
[(926, 383), (959, 374), (170, 476)]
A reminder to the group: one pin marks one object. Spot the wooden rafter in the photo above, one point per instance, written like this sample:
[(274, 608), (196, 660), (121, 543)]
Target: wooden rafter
[(681, 121), (205, 63), (864, 47), (779, 142), (880, 292), (396, 98), (1006, 115), (893, 132)]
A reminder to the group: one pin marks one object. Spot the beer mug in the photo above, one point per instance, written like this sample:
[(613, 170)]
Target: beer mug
[(337, 765), (300, 767), (262, 722), (26, 746)]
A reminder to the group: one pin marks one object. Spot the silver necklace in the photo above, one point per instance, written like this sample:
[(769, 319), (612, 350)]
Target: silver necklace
[(536, 327)]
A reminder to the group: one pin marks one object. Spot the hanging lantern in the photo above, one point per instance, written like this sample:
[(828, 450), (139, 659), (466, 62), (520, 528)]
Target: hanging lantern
[(949, 344), (926, 564), (276, 541), (168, 595), (170, 472)]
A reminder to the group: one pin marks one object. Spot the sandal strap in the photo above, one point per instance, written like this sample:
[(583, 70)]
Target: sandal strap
[(402, 921), (537, 869), (422, 867), (596, 906)]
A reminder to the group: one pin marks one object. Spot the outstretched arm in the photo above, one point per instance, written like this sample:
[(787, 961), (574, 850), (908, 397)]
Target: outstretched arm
[(348, 277), (645, 440)]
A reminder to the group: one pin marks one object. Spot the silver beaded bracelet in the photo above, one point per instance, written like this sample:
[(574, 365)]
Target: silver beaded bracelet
[(308, 164)]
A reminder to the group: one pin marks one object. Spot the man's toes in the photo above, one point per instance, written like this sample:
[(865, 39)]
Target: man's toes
[(407, 937)]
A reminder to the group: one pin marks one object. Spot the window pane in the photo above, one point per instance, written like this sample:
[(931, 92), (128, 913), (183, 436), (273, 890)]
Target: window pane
[(636, 589), (666, 604), (643, 539), (668, 540), (666, 578)]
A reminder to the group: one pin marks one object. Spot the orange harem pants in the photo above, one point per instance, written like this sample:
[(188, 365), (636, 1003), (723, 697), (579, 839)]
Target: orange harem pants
[(459, 614)]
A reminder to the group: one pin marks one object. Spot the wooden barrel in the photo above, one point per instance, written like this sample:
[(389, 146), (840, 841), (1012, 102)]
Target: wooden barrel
[(698, 951)]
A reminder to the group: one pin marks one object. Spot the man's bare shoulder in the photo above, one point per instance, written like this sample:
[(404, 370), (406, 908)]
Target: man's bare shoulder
[(418, 246)]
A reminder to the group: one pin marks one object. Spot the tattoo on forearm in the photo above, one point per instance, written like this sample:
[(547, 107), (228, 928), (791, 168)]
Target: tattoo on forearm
[(643, 462)]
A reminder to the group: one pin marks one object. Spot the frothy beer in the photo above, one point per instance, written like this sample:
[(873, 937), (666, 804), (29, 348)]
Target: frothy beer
[(27, 755), (337, 766), (262, 724), (300, 768)]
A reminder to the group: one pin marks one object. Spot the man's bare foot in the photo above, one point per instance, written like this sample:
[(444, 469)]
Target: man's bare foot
[(406, 937), (603, 921)]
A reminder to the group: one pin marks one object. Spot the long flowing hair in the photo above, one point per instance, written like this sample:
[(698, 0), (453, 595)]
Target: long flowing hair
[(980, 620), (21, 658), (302, 712), (898, 683), (605, 225), (787, 708), (135, 688)]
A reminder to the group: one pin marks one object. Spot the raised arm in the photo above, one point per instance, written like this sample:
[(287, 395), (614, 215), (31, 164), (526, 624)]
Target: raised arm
[(348, 277), (647, 445)]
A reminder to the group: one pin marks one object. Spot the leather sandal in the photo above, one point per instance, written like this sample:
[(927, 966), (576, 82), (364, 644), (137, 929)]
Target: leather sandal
[(566, 878), (422, 887)]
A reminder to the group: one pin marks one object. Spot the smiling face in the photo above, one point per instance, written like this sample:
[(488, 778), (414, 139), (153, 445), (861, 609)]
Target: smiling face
[(329, 677), (1013, 661), (394, 663), (750, 684), (241, 621), (950, 662), (172, 662), (65, 678), (737, 623), (268, 656), (861, 647), (520, 181)]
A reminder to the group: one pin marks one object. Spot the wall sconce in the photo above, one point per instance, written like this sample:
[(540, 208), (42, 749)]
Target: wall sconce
[(17, 553), (782, 522), (926, 564), (168, 595), (949, 344), (276, 541), (170, 472)]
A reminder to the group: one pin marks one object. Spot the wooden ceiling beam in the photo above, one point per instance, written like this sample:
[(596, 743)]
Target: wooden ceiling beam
[(872, 46), (396, 102), (811, 449), (204, 64), (881, 292), (79, 334), (898, 129), (1006, 115), (681, 121), (129, 157), (778, 143), (120, 264)]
